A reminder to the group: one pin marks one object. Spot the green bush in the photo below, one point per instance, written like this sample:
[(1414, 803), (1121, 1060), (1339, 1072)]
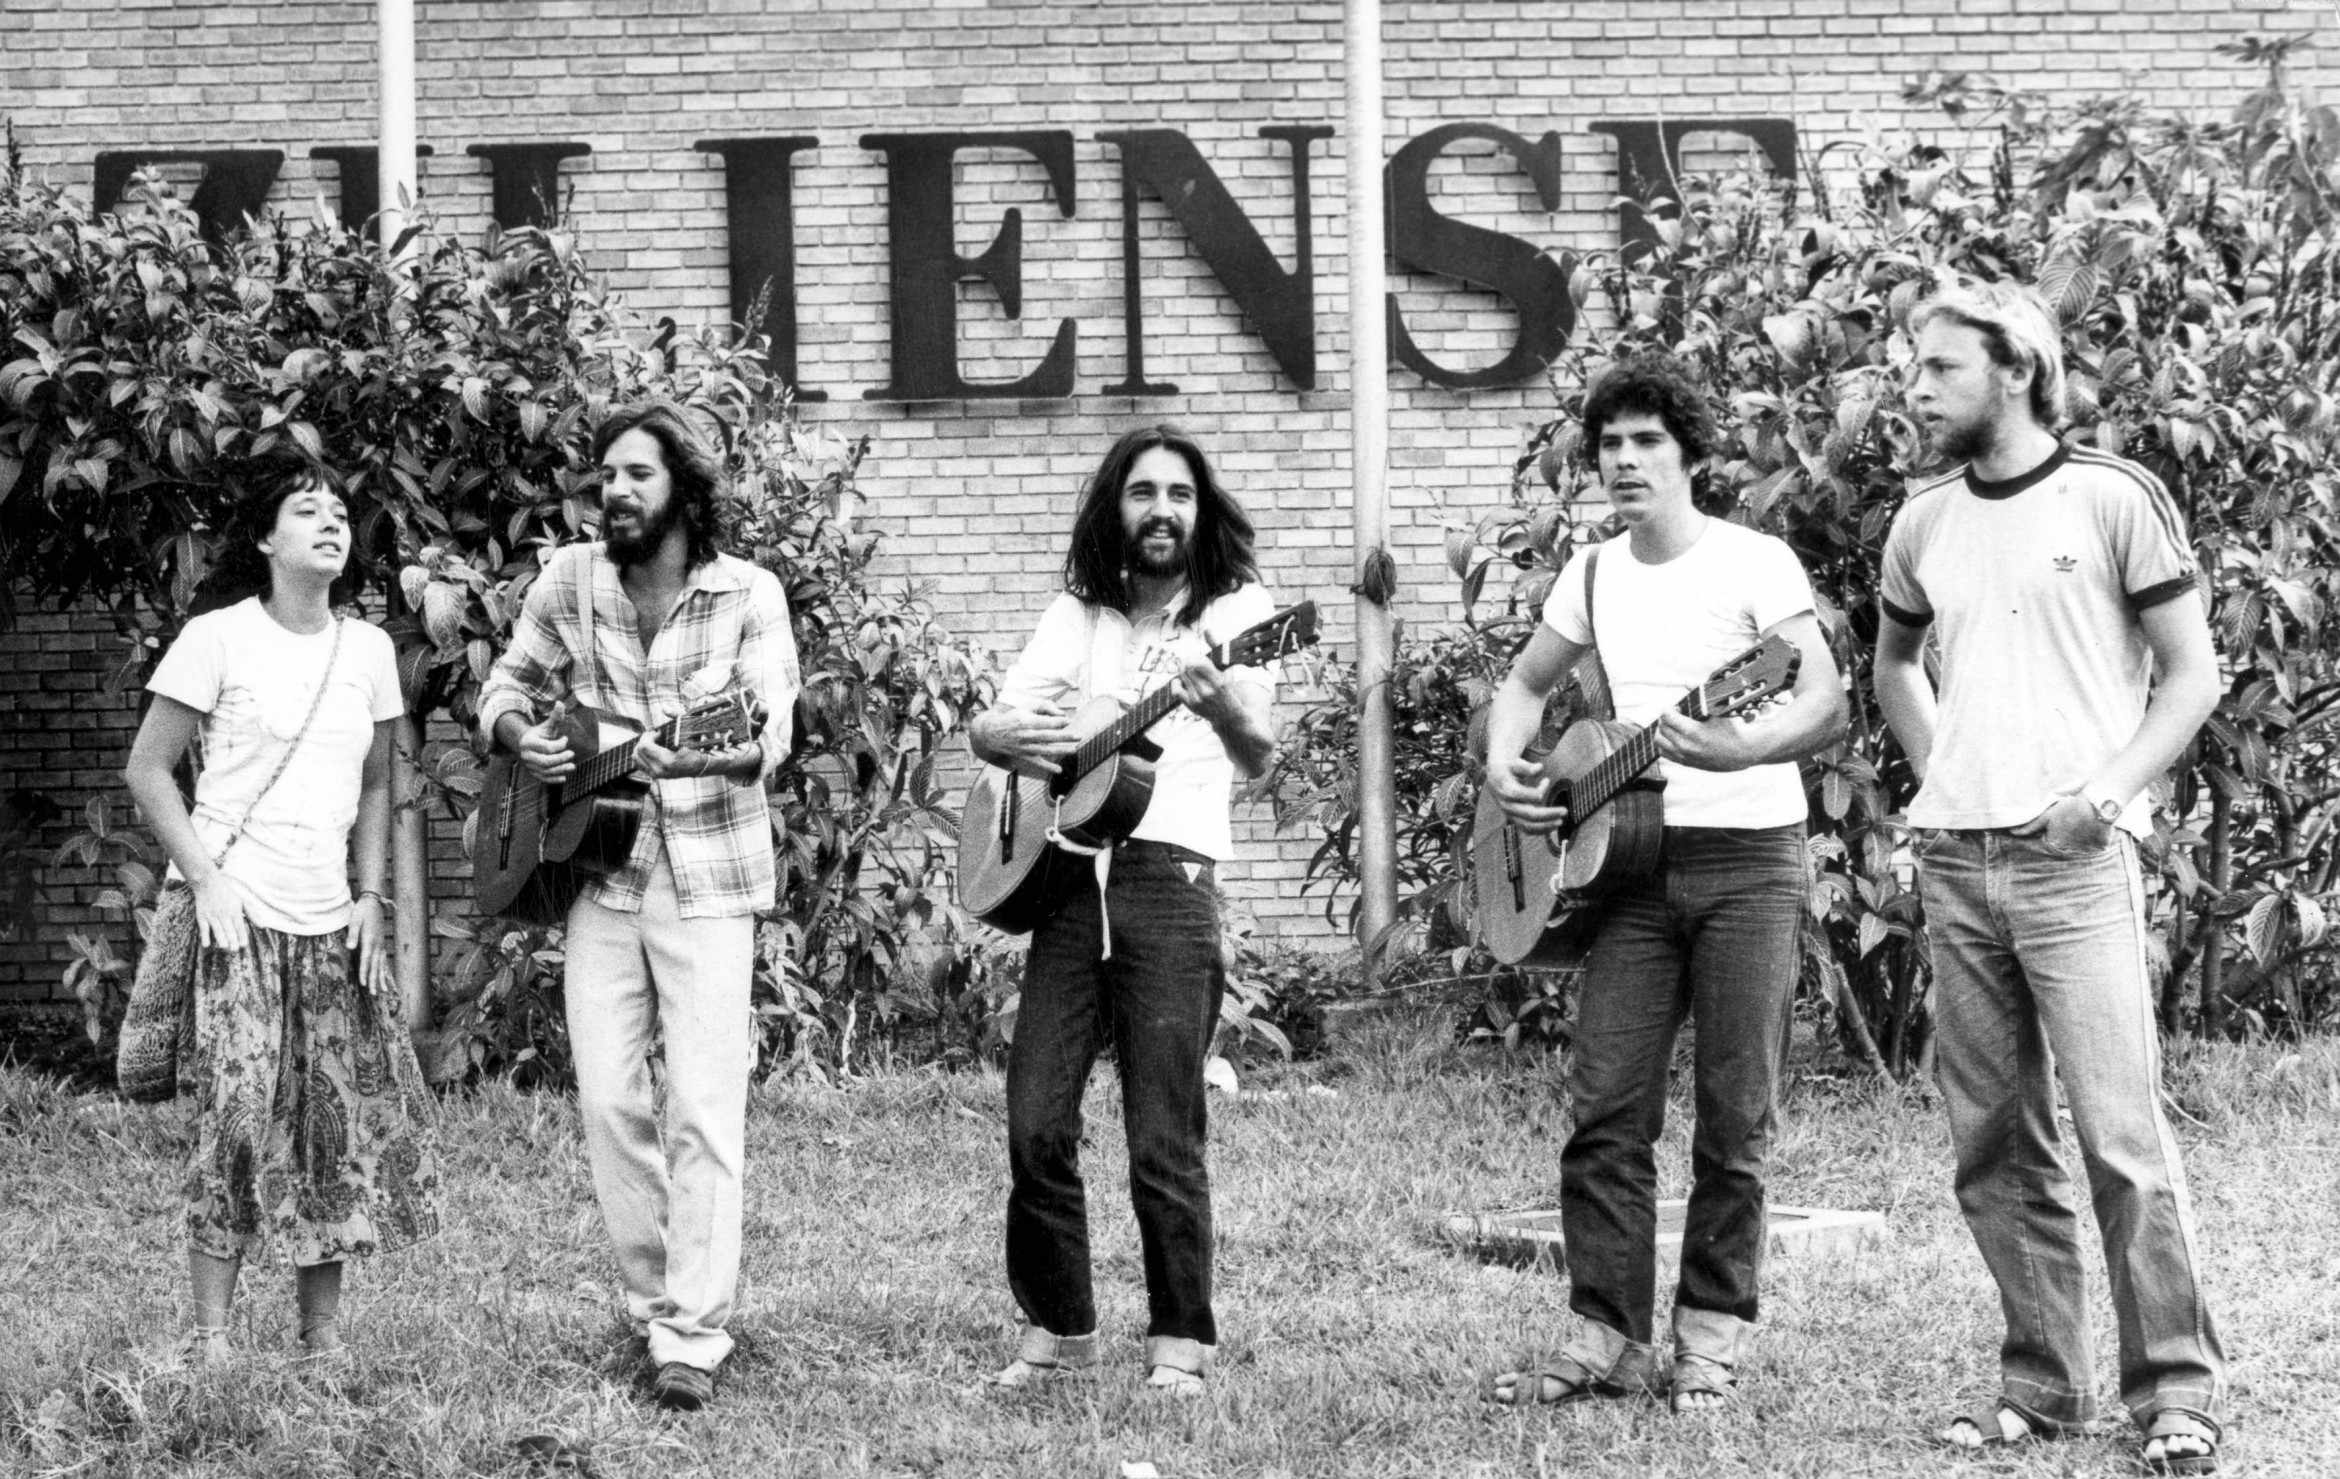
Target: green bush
[(2193, 268), (454, 387)]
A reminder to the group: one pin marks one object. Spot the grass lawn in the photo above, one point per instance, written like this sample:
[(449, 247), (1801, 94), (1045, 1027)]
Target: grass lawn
[(1352, 1341)]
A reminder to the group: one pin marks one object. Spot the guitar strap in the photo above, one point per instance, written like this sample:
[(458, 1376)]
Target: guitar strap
[(592, 653), (1592, 685), (1095, 660), (1592, 676)]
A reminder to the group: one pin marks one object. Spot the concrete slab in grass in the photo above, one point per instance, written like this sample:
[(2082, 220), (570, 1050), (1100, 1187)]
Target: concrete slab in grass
[(1532, 1236)]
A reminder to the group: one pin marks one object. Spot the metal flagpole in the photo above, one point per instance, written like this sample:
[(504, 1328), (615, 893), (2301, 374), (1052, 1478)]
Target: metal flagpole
[(409, 839), (395, 172), (1369, 456)]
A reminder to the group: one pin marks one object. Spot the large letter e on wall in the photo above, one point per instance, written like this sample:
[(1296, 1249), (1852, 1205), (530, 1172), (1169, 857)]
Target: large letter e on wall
[(927, 267), (1424, 241)]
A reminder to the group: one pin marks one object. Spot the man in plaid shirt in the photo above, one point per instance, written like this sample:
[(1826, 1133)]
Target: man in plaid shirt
[(639, 627)]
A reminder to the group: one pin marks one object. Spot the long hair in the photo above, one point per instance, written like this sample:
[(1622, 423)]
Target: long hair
[(239, 570), (1218, 557), (1653, 383), (691, 464)]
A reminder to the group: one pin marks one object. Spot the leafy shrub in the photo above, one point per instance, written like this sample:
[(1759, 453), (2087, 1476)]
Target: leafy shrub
[(2195, 273), (455, 387), (99, 976)]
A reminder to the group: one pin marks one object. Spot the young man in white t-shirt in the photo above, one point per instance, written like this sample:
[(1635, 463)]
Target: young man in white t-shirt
[(1160, 567), (1713, 934), (2075, 665)]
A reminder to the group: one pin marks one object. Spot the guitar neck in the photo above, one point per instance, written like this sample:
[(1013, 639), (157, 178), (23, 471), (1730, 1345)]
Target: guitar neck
[(1622, 765), (1106, 742), (614, 764)]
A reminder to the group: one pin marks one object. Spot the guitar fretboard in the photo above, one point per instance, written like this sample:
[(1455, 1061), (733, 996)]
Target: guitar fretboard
[(1620, 766), (1106, 742), (617, 762)]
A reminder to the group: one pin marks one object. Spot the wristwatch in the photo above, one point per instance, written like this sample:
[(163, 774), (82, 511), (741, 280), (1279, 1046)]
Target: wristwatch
[(2108, 811)]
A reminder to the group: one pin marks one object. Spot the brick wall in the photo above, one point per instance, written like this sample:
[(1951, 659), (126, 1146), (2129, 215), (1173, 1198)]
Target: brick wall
[(976, 494)]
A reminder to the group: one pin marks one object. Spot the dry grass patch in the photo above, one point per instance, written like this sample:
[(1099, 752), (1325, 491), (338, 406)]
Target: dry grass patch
[(1354, 1342)]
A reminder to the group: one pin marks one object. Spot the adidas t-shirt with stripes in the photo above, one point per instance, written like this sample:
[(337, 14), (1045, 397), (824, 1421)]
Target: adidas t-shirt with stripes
[(2033, 587)]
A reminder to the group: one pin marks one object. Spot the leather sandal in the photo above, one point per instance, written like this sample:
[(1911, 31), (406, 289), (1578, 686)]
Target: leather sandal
[(1701, 1377), (2172, 1425), (1989, 1428), (1042, 1355), (1561, 1380), (1177, 1364)]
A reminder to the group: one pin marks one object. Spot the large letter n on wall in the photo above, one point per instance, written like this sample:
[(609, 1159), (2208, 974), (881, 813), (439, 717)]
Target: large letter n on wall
[(927, 267), (1280, 304)]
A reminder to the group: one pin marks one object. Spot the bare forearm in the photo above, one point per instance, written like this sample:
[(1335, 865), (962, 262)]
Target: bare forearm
[(2173, 716), (982, 732), (369, 837), (1812, 721), (509, 726), (1513, 718), (1251, 750), (747, 765), (1907, 701), (1248, 733), (164, 811)]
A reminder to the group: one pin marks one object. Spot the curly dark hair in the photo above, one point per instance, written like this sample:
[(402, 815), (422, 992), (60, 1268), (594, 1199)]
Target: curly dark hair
[(1653, 383), (238, 569), (691, 462), (1219, 556)]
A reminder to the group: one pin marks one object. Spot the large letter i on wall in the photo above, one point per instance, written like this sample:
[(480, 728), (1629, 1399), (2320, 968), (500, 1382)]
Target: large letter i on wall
[(927, 267), (759, 192)]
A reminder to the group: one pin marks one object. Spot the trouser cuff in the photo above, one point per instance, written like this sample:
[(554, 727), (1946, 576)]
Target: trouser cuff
[(2047, 1408), (1042, 1348), (1180, 1354), (1613, 1358), (1710, 1335)]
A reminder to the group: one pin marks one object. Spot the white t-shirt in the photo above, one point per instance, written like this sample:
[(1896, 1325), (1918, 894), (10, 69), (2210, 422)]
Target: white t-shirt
[(1665, 628), (2032, 587), (1071, 659), (252, 680)]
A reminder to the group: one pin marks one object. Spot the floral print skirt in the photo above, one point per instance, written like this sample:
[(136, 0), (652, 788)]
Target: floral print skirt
[(313, 1125)]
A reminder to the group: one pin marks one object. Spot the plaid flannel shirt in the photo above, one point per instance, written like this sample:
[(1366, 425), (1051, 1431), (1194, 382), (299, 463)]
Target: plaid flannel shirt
[(730, 623)]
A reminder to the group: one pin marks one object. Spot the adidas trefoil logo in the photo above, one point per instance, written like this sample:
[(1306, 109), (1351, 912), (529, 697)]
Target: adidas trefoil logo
[(2065, 564)]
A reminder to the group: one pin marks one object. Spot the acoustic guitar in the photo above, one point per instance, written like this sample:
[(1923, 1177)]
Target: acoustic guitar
[(1528, 891), (1010, 867), (535, 843)]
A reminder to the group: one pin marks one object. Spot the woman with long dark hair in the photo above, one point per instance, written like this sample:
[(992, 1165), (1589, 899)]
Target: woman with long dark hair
[(313, 1125)]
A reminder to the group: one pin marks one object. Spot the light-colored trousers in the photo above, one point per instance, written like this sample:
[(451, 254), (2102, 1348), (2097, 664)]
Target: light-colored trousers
[(2039, 970), (669, 1194)]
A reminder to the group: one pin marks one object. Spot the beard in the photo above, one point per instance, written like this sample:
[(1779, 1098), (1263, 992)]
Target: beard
[(1962, 441), (630, 550), (1135, 556)]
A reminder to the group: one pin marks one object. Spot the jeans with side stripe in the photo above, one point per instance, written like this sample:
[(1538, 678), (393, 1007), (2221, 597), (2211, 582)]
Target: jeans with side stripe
[(2040, 975)]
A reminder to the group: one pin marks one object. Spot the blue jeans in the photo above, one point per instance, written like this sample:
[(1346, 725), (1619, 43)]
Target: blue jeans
[(1713, 934), (1157, 1000), (2039, 974)]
